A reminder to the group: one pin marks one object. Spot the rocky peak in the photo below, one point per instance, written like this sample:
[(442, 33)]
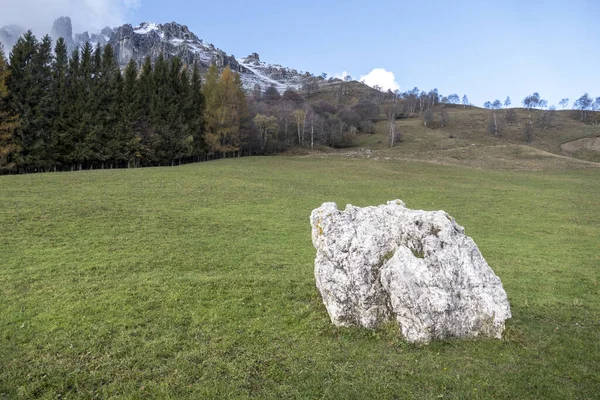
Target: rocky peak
[(81, 38), (150, 39), (252, 59), (173, 30), (62, 28), (108, 32), (9, 35)]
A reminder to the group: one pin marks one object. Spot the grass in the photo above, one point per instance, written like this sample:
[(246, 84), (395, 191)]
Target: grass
[(466, 141), (197, 282)]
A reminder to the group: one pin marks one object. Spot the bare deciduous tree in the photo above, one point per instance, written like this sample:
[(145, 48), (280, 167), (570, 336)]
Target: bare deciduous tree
[(547, 117), (511, 116), (428, 117), (257, 92), (268, 128), (454, 99), (564, 103), (493, 124), (534, 101), (465, 101), (444, 116), (583, 104), (529, 132), (300, 119), (390, 113)]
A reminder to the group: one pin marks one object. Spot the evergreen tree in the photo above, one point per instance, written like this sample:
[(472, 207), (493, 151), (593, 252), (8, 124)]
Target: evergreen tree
[(69, 134), (212, 101), (184, 141), (42, 154), (159, 112), (60, 106), (129, 114), (81, 112), (8, 123), (195, 113), (83, 138), (21, 98), (108, 146), (29, 85), (144, 106)]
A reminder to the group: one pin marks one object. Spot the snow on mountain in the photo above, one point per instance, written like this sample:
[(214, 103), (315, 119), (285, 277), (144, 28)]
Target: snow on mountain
[(146, 27), (172, 39), (150, 39), (9, 35), (270, 74)]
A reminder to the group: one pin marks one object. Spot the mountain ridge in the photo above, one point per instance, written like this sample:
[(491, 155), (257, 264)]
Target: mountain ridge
[(149, 39)]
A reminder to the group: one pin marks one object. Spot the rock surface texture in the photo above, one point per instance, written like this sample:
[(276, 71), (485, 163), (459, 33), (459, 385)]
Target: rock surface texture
[(377, 264)]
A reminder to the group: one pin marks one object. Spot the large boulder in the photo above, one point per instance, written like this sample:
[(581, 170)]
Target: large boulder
[(377, 264)]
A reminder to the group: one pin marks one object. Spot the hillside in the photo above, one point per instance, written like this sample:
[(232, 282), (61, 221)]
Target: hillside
[(465, 138)]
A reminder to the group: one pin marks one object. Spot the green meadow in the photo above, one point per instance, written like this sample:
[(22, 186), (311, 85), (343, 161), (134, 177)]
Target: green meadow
[(197, 282)]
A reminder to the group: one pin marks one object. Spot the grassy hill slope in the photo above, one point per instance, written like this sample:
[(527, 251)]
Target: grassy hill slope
[(197, 282), (465, 140)]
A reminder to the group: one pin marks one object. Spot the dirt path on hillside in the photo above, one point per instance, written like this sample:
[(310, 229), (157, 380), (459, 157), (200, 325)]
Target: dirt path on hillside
[(495, 157), (592, 143)]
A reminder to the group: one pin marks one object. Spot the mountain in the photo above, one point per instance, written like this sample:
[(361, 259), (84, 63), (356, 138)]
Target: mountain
[(171, 39), (9, 35)]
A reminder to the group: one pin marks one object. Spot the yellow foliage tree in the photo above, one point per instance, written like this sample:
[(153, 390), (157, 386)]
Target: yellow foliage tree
[(226, 111), (267, 126)]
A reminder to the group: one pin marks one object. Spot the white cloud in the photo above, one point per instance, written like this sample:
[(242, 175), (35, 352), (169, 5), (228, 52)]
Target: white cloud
[(90, 15), (340, 75), (381, 77)]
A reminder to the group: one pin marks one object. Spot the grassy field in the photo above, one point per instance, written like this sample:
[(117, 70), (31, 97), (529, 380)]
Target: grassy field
[(197, 282)]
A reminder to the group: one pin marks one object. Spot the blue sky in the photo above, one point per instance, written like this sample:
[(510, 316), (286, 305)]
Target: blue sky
[(487, 50)]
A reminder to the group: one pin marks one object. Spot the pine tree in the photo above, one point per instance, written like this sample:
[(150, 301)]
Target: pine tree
[(83, 139), (195, 113), (212, 102), (129, 114), (42, 154), (69, 133), (144, 107), (8, 123), (186, 144), (21, 98), (158, 114), (180, 139), (109, 146), (60, 106)]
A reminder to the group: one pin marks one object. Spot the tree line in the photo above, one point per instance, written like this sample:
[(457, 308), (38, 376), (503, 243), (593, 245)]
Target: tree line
[(289, 120), (61, 112), (80, 111)]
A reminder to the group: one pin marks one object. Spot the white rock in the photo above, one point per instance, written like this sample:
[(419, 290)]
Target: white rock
[(376, 264)]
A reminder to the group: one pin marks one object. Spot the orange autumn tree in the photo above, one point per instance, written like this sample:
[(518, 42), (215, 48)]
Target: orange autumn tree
[(226, 112)]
